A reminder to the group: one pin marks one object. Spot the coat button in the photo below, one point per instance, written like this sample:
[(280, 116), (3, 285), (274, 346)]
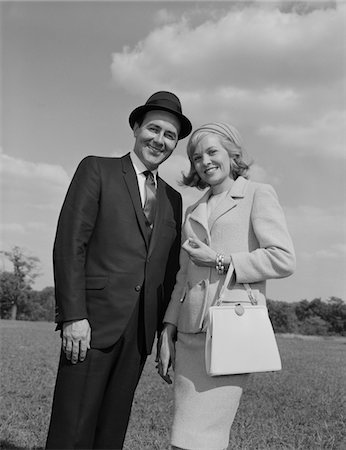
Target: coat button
[(137, 288)]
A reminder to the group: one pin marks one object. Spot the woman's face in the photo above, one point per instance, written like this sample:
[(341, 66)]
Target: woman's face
[(212, 161)]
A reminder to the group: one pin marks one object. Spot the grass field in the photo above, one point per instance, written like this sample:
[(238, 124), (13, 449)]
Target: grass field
[(302, 407)]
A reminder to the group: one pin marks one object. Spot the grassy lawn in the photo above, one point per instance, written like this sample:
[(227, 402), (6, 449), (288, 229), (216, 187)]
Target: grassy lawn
[(302, 407)]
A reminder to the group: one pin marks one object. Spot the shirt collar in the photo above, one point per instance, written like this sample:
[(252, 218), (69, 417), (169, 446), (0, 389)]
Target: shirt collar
[(139, 166)]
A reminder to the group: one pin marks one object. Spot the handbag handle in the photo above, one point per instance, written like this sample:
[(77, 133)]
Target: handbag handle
[(229, 274)]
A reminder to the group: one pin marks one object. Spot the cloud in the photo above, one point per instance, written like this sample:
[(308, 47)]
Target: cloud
[(171, 172), (250, 48), (325, 136), (164, 16), (335, 251), (259, 174), (17, 228), (305, 218), (319, 236), (18, 169), (318, 231), (275, 71), (32, 194), (35, 183)]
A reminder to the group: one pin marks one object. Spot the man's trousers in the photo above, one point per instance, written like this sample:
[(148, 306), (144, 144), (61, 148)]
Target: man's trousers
[(92, 399)]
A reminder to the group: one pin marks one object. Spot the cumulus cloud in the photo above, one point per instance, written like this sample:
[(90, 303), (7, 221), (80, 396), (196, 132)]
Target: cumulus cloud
[(318, 231), (12, 228), (250, 48), (319, 236), (333, 252), (32, 194), (36, 183), (171, 171), (20, 170), (304, 218), (258, 173), (325, 136), (275, 71), (164, 16)]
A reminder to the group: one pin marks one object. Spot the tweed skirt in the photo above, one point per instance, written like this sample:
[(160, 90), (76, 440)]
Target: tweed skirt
[(204, 406)]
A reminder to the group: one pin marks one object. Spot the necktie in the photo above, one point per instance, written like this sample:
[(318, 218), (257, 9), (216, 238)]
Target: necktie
[(150, 198)]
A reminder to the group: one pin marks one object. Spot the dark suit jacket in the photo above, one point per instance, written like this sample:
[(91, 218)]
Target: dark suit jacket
[(103, 260)]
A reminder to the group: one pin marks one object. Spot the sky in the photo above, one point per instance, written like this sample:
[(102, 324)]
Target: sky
[(73, 71)]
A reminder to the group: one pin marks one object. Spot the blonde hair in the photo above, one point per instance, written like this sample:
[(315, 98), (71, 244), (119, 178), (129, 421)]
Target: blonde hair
[(230, 140)]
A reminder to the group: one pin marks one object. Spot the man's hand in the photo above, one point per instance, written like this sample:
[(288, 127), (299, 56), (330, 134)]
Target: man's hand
[(76, 336), (199, 252), (166, 351)]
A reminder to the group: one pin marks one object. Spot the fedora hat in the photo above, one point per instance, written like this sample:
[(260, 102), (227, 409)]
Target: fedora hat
[(164, 101)]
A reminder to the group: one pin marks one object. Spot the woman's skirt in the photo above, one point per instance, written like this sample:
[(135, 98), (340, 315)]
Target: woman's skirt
[(204, 406)]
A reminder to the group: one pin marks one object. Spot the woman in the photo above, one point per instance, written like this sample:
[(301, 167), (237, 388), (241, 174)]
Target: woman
[(236, 221)]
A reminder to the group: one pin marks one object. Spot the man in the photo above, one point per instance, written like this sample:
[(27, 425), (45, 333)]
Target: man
[(115, 259)]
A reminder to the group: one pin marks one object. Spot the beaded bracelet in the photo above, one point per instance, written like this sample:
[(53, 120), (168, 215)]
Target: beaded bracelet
[(220, 266)]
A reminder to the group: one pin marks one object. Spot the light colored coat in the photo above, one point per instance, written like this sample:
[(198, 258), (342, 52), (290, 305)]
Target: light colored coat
[(247, 224)]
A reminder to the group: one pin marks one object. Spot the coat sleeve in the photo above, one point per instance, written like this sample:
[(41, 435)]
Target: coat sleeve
[(173, 309), (172, 264), (275, 257), (75, 226)]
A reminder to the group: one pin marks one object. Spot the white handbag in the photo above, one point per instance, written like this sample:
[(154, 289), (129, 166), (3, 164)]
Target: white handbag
[(240, 337)]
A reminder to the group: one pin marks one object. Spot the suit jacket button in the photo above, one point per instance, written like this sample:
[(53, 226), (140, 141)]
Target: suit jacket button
[(138, 288)]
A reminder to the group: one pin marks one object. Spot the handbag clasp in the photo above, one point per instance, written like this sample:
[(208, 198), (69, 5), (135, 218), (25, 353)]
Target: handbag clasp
[(239, 309)]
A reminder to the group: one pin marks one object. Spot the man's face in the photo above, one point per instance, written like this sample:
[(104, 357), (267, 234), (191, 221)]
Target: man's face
[(156, 138)]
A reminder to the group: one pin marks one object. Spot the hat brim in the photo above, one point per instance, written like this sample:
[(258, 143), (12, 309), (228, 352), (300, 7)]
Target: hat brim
[(185, 124)]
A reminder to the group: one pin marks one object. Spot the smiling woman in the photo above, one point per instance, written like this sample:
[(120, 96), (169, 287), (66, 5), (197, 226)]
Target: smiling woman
[(214, 158), (237, 223)]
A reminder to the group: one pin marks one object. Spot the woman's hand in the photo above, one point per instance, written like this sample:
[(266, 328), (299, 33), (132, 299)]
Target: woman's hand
[(200, 253), (166, 351)]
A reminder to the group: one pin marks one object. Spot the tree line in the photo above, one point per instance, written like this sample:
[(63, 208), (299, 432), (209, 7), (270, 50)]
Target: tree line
[(315, 317), (19, 301)]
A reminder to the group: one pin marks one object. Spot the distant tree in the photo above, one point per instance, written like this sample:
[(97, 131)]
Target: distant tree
[(12, 295), (322, 317), (41, 305), (18, 283), (302, 310), (316, 317), (314, 325), (319, 308), (337, 315), (282, 316)]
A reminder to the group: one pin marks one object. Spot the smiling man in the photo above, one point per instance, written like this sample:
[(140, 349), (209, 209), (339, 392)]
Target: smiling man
[(116, 254)]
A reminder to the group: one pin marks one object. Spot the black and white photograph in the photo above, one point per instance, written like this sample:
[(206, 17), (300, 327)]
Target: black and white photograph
[(173, 225)]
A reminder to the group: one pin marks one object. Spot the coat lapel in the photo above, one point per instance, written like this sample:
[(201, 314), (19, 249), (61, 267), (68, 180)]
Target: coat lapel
[(199, 214), (236, 192), (132, 185)]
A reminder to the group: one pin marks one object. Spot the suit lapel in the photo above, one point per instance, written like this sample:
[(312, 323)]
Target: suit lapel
[(130, 178)]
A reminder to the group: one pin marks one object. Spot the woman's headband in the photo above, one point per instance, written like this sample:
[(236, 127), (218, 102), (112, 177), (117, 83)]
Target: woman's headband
[(222, 129)]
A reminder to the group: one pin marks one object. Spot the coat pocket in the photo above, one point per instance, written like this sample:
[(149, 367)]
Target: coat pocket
[(192, 308), (96, 282)]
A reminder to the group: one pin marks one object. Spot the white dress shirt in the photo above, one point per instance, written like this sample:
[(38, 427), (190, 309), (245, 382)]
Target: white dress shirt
[(140, 169)]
